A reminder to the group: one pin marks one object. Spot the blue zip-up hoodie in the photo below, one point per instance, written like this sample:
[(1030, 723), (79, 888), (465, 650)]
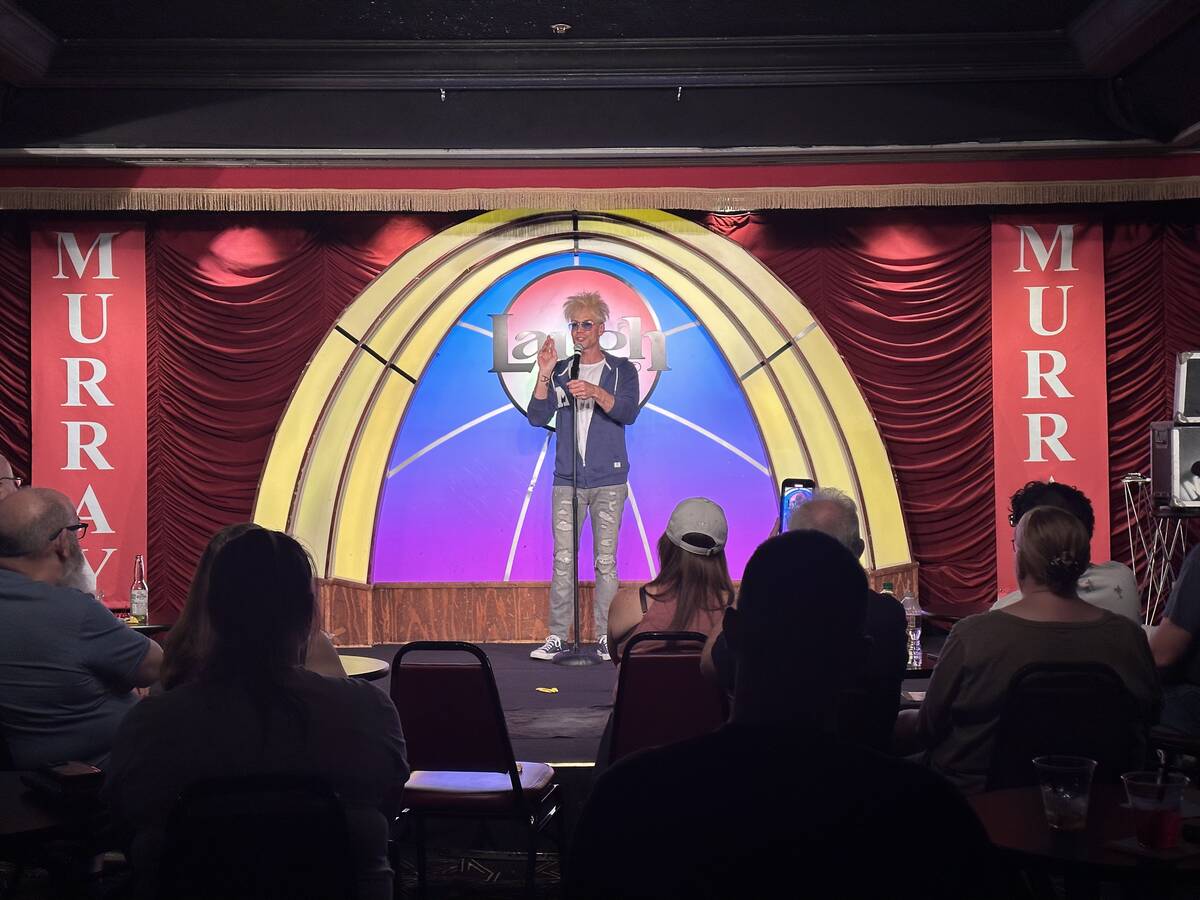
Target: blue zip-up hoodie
[(607, 459)]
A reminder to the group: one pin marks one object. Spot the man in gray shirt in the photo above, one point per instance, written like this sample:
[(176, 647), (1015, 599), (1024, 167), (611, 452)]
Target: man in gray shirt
[(67, 666)]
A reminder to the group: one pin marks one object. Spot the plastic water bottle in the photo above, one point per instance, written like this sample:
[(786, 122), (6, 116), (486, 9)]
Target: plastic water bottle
[(912, 614), (139, 594)]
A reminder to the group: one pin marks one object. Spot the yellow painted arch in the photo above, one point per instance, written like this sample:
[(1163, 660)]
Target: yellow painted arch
[(323, 476)]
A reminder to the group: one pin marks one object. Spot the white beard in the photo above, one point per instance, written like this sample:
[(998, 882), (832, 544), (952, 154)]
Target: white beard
[(80, 577)]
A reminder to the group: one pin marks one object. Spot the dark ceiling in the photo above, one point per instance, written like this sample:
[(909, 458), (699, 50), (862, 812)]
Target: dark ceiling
[(631, 79), (474, 20)]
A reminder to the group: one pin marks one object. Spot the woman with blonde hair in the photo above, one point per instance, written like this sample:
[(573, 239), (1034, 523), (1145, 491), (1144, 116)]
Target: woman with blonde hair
[(1049, 624), (190, 640)]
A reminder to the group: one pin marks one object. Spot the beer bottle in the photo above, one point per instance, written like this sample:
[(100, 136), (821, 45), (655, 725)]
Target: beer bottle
[(139, 595)]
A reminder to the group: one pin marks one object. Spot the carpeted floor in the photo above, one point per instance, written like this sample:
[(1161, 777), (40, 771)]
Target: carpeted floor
[(495, 875)]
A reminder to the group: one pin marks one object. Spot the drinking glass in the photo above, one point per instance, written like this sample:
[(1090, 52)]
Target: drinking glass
[(1157, 802), (1066, 782)]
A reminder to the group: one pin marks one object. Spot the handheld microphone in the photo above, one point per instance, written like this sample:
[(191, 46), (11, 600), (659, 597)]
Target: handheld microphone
[(573, 375)]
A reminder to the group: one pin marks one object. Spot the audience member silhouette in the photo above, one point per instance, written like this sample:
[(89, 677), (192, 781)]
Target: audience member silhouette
[(693, 586), (1109, 585), (1176, 650), (1049, 624), (68, 667), (190, 639), (774, 795), (254, 709), (869, 714)]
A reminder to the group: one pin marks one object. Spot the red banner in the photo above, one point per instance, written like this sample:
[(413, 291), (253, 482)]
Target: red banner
[(1049, 394), (88, 352)]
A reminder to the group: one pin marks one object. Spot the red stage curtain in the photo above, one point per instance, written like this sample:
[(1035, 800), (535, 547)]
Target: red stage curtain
[(905, 297), (237, 304), (1137, 384), (14, 342)]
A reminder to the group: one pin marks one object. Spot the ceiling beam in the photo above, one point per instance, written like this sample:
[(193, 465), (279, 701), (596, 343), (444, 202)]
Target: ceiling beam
[(26, 45), (1111, 35), (564, 63)]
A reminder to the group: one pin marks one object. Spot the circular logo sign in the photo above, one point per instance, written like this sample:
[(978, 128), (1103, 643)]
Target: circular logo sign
[(536, 312)]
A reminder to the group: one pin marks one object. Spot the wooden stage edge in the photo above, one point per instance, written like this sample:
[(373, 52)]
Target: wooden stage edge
[(361, 615)]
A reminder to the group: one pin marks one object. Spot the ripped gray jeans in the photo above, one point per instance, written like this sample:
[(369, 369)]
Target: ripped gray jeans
[(605, 505)]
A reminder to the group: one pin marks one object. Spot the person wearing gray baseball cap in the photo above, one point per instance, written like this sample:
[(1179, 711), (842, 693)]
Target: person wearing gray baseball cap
[(693, 586)]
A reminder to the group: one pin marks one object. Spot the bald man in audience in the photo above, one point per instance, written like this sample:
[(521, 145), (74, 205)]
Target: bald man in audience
[(8, 481), (876, 699), (67, 666), (885, 662)]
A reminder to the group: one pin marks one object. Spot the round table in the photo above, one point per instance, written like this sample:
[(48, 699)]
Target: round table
[(150, 629), (1016, 825), (365, 667)]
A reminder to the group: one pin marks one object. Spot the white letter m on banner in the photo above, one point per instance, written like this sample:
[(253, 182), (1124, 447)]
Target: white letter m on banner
[(79, 262)]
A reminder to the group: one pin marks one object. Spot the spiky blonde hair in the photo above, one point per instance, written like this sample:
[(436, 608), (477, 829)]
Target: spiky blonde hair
[(589, 300)]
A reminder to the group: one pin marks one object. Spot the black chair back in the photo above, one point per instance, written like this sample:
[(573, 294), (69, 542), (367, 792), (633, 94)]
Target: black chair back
[(1073, 709), (267, 837), (450, 709), (662, 696)]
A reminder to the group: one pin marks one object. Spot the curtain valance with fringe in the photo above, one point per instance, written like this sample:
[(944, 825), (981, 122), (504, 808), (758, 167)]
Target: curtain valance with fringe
[(280, 188)]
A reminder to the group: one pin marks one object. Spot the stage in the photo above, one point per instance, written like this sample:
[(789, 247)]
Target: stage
[(557, 728), (565, 726)]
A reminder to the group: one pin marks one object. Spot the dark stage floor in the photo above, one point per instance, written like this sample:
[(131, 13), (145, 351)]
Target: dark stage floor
[(560, 727), (565, 726)]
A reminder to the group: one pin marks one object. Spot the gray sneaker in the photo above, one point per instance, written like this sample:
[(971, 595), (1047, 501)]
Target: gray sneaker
[(602, 648), (548, 650)]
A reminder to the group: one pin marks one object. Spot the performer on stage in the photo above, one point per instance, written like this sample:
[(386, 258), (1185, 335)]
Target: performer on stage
[(607, 393)]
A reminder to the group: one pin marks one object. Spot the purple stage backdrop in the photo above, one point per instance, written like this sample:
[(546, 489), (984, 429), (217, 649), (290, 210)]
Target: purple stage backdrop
[(468, 470)]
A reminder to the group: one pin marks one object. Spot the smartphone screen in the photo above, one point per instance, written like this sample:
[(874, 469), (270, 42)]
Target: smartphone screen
[(793, 492)]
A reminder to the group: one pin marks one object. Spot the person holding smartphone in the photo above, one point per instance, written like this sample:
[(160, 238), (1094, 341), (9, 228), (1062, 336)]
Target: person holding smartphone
[(604, 388)]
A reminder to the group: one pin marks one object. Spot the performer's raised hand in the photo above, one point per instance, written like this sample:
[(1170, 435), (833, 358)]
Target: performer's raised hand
[(547, 356)]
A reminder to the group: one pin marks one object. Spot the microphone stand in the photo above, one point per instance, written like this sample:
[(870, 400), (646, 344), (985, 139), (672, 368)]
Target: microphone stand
[(575, 655)]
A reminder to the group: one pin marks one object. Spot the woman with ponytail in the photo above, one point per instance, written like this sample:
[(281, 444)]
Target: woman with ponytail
[(1049, 624)]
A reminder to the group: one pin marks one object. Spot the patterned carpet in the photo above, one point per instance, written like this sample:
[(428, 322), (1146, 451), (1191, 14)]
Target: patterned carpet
[(492, 874)]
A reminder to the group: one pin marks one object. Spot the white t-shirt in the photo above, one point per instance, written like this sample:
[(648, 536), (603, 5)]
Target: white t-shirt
[(1108, 585), (591, 374)]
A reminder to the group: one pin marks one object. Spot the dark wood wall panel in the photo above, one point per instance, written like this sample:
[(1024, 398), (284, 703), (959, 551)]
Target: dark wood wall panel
[(346, 612), (480, 612), (903, 579)]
